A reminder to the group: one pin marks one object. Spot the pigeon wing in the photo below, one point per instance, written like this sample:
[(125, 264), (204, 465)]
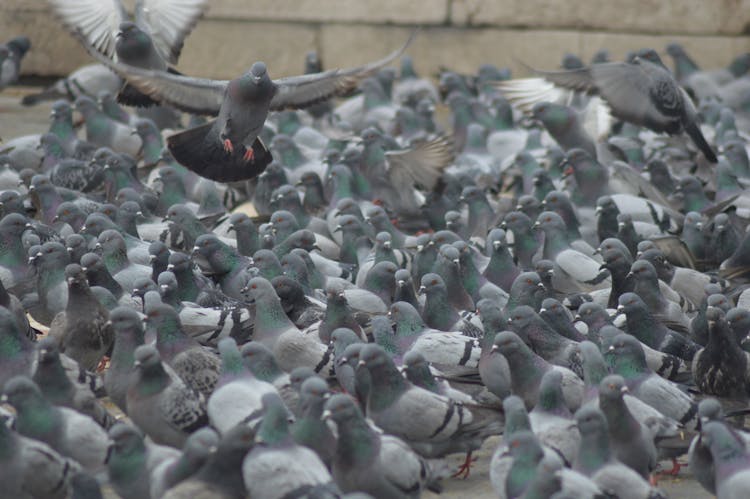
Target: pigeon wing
[(296, 92), (169, 22), (96, 20)]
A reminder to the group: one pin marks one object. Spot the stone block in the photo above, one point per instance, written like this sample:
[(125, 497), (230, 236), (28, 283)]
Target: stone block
[(380, 11), (651, 16)]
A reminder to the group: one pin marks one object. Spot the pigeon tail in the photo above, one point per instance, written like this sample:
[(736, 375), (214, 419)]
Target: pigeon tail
[(694, 131), (196, 150)]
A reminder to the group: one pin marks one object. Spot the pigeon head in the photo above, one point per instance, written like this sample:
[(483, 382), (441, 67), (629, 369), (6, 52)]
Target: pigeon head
[(126, 439), (48, 351), (85, 105), (125, 319), (96, 223), (240, 220), (525, 443), (553, 116), (167, 282), (299, 375), (52, 256), (20, 391), (258, 70), (432, 283), (180, 214), (61, 111), (591, 420), (612, 387), (709, 409), (507, 343), (289, 291), (516, 221), (146, 358), (545, 269), (75, 276), (649, 55), (315, 387), (629, 303), (200, 445), (643, 270), (341, 407)]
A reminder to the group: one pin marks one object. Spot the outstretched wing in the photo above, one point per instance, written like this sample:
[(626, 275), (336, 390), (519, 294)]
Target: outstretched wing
[(297, 92), (169, 22), (192, 95), (97, 20)]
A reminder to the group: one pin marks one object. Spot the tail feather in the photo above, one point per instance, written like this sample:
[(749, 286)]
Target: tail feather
[(200, 150), (694, 131)]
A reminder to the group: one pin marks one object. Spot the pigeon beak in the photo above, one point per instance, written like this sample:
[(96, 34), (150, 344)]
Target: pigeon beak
[(536, 225), (55, 219), (163, 287), (170, 266), (496, 244), (387, 245), (540, 286), (542, 310), (629, 274), (231, 228), (510, 322), (400, 282), (338, 228), (133, 131), (620, 309), (361, 363), (578, 317), (108, 324), (422, 290), (611, 349), (598, 210), (624, 389), (494, 348), (598, 251), (3, 399), (152, 259), (602, 266), (326, 415)]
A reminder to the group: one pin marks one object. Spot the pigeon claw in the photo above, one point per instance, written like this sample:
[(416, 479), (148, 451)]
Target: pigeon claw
[(465, 469), (249, 154), (228, 147)]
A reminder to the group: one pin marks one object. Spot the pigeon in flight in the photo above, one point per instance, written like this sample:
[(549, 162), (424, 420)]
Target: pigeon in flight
[(228, 149)]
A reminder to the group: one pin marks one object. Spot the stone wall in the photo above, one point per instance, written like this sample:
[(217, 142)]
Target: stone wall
[(459, 34)]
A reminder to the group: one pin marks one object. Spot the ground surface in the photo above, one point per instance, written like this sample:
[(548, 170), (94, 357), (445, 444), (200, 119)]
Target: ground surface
[(16, 120)]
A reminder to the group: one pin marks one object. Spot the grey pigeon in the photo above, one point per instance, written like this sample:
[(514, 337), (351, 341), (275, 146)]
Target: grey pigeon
[(163, 407), (732, 467), (631, 443), (196, 452), (70, 433), (221, 476), (596, 460), (277, 467), (132, 459), (52, 380), (228, 149), (664, 105), (238, 393), (152, 40), (31, 468), (365, 461)]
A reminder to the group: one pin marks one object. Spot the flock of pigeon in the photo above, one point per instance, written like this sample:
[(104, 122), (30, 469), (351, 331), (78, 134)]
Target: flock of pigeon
[(561, 266)]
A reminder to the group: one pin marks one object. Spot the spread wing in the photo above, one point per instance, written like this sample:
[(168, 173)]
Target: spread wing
[(192, 95), (168, 22), (297, 92), (97, 20)]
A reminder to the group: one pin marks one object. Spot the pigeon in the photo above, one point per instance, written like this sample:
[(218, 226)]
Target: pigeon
[(84, 333), (127, 328), (730, 458), (31, 468), (68, 432), (165, 408), (152, 40), (57, 388), (296, 469), (665, 106), (596, 460), (442, 426), (226, 149), (196, 452), (132, 459), (522, 359), (238, 393), (366, 461), (221, 476)]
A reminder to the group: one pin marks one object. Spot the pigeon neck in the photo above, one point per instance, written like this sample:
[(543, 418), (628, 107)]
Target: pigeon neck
[(123, 351), (270, 319), (13, 343), (593, 452), (265, 369), (387, 385), (54, 383), (422, 377), (232, 363), (357, 445), (522, 473), (274, 429), (127, 466), (438, 311), (248, 241)]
